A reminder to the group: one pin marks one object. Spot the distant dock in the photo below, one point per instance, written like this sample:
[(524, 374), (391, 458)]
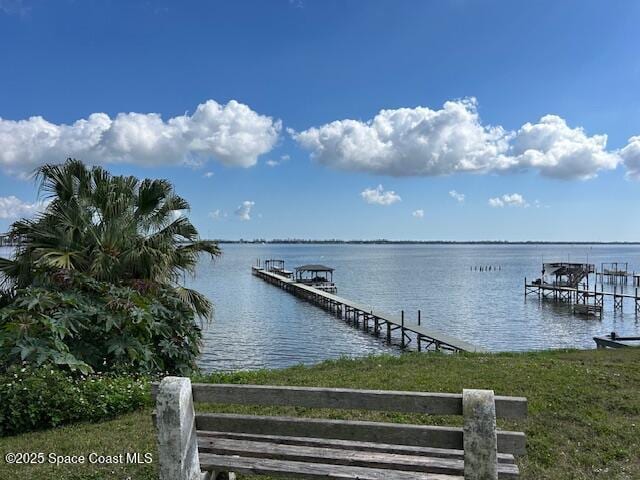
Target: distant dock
[(7, 241), (569, 282), (375, 322)]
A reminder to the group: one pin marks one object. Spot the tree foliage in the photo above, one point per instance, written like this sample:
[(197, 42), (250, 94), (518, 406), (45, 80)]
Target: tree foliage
[(94, 283), (115, 229), (90, 326)]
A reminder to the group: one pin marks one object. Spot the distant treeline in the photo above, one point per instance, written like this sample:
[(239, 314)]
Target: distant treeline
[(416, 242)]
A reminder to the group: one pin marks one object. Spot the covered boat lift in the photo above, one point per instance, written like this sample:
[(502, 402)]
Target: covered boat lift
[(317, 276)]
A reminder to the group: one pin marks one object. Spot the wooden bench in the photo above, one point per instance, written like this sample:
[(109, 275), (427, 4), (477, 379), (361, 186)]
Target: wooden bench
[(196, 446)]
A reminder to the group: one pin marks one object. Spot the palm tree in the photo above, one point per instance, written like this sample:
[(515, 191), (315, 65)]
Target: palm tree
[(116, 229)]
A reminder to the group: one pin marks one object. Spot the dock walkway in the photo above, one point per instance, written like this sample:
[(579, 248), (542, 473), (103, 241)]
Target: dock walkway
[(583, 296), (370, 319)]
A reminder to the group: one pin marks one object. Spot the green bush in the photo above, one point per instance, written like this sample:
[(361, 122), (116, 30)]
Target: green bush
[(44, 397), (78, 323)]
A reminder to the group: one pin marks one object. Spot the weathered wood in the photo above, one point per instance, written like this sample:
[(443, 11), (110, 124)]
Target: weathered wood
[(417, 435), (334, 456), (349, 445), (321, 448), (264, 466), (480, 439), (343, 398)]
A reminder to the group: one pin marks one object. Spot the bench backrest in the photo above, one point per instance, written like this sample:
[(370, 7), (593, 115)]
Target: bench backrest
[(480, 408), (344, 398)]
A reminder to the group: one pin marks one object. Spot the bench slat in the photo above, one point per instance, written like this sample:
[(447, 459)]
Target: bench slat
[(265, 466), (414, 463), (416, 435), (350, 445), (343, 398)]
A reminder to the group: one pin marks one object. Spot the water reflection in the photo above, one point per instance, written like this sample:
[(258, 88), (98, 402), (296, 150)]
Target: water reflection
[(258, 325)]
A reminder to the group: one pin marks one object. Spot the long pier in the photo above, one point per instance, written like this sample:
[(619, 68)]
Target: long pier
[(370, 320)]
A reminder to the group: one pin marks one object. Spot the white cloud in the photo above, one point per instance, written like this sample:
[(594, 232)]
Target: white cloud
[(631, 156), (233, 134), (424, 142), (418, 213), (459, 197), (274, 163), (12, 208), (244, 210), (208, 174), (410, 141), (217, 214), (379, 197), (556, 150), (508, 200), (539, 204)]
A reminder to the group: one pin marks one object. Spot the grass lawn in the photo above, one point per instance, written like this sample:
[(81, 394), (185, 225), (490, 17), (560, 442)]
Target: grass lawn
[(584, 411)]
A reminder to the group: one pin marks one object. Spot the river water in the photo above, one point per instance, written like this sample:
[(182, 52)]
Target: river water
[(257, 325)]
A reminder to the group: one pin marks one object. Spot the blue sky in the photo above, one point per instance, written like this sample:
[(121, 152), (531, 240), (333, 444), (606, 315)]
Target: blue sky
[(527, 109)]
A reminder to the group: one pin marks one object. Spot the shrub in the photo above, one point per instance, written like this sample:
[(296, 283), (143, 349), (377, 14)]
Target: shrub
[(82, 324), (44, 397)]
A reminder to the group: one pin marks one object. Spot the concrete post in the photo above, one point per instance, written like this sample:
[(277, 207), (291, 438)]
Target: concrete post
[(480, 437), (177, 444)]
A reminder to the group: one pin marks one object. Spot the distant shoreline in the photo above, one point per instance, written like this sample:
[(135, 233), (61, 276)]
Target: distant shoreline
[(400, 242), (416, 242)]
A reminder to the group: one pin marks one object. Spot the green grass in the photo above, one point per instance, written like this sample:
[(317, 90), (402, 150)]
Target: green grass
[(584, 411)]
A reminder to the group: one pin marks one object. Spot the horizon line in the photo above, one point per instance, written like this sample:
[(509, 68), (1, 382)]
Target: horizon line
[(386, 241)]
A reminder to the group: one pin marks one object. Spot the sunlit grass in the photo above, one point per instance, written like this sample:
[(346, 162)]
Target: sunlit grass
[(584, 411)]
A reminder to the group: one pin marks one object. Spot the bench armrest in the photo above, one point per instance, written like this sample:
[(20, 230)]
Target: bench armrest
[(175, 420), (479, 435)]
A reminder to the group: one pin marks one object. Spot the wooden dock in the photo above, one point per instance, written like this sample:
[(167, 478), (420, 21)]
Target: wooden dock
[(6, 241), (587, 309), (370, 320), (583, 296)]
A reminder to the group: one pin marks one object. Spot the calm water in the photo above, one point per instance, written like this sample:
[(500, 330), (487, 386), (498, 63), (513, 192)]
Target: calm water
[(258, 325)]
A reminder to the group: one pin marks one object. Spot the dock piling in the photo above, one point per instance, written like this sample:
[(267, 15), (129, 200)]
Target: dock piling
[(352, 312)]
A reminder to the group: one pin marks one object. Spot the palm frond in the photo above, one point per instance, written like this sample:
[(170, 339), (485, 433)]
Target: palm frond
[(112, 228), (199, 303)]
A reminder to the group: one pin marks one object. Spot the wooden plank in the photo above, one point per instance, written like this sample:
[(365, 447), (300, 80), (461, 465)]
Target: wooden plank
[(265, 466), (403, 434), (580, 291), (343, 398), (443, 338), (298, 453), (350, 445)]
